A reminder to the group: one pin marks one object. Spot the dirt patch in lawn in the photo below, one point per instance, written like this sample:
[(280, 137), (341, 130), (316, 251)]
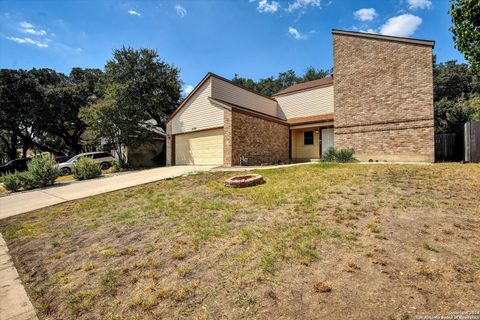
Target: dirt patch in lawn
[(316, 241)]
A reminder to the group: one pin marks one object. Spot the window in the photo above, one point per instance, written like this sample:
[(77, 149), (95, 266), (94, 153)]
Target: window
[(308, 137), (101, 155)]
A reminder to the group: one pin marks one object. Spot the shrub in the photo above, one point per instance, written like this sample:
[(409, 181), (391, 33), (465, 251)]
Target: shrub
[(345, 155), (338, 155), (11, 182), (86, 168), (19, 180), (330, 155), (43, 170), (116, 166)]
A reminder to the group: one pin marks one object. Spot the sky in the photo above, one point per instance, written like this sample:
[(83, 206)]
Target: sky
[(251, 38)]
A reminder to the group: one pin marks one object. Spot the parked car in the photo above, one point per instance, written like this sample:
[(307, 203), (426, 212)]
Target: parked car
[(105, 160), (18, 165), (61, 159)]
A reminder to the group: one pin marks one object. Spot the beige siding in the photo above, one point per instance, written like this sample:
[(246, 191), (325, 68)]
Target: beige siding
[(306, 103), (301, 151), (199, 113), (199, 148), (226, 91)]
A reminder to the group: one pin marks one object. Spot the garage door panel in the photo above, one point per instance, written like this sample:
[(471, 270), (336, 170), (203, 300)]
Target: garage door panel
[(199, 148)]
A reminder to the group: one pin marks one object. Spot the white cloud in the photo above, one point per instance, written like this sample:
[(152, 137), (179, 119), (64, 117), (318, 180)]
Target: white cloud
[(30, 41), (181, 11), (419, 4), (264, 6), (368, 31), (187, 89), (302, 4), (26, 27), (296, 34), (365, 14), (134, 13), (401, 26)]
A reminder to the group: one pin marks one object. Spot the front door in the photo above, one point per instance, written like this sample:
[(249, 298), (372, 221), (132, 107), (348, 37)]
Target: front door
[(327, 140), (320, 139)]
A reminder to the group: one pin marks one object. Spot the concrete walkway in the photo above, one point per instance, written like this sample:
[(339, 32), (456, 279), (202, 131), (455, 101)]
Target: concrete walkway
[(22, 202), (14, 302)]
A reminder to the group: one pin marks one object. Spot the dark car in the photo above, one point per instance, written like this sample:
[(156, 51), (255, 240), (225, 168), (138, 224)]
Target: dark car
[(18, 165), (61, 159)]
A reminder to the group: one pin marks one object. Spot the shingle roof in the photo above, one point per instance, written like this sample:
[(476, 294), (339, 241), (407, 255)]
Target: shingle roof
[(306, 86), (311, 119), (262, 115)]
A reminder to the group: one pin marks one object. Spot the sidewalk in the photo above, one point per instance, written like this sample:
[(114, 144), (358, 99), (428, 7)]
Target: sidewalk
[(14, 302)]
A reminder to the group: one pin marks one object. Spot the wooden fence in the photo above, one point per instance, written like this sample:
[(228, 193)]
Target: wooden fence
[(472, 141), (449, 147), (461, 146)]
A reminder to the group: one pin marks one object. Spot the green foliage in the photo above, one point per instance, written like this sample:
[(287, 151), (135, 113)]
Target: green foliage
[(43, 170), (451, 115), (19, 181), (39, 109), (86, 168), (271, 85), (453, 80), (141, 92), (330, 155), (115, 166), (466, 30), (339, 155), (456, 96), (11, 182)]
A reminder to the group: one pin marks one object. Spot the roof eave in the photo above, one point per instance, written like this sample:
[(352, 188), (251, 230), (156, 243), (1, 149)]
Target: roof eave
[(422, 42)]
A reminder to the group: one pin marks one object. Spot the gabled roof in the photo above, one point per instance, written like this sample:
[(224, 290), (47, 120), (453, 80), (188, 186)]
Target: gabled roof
[(324, 82), (200, 84)]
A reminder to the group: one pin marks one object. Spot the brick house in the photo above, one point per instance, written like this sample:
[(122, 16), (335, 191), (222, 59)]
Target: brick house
[(379, 102)]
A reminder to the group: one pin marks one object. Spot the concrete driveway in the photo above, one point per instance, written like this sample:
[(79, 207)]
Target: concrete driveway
[(17, 203)]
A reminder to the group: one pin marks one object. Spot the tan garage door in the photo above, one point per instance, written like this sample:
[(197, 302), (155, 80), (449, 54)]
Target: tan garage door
[(200, 148)]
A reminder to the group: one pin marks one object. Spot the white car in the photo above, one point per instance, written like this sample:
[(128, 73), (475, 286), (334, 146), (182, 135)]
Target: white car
[(105, 160)]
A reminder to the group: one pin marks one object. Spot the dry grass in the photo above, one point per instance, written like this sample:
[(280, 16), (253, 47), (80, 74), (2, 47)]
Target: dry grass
[(313, 241)]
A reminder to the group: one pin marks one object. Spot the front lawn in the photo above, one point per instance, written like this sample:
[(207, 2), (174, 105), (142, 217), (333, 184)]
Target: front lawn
[(319, 241)]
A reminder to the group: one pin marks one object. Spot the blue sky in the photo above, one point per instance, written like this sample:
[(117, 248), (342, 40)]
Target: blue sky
[(254, 38)]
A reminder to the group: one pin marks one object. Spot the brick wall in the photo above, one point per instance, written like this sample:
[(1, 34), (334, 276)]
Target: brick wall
[(261, 141), (383, 91)]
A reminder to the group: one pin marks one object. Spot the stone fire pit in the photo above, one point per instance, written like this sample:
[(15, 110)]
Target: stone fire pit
[(247, 180)]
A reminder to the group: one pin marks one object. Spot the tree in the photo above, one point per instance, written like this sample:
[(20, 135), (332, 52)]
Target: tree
[(451, 115), (115, 123), (466, 30), (313, 74), (141, 91), (19, 93), (63, 98), (453, 80), (139, 78), (271, 85), (456, 96)]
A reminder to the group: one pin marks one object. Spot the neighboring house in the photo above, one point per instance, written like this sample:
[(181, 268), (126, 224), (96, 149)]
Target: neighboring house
[(150, 153), (379, 102)]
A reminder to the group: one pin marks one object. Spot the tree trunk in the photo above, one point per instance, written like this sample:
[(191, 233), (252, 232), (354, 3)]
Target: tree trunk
[(25, 147), (12, 148)]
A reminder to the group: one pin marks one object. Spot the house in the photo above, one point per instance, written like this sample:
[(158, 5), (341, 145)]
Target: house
[(379, 102), (136, 153)]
